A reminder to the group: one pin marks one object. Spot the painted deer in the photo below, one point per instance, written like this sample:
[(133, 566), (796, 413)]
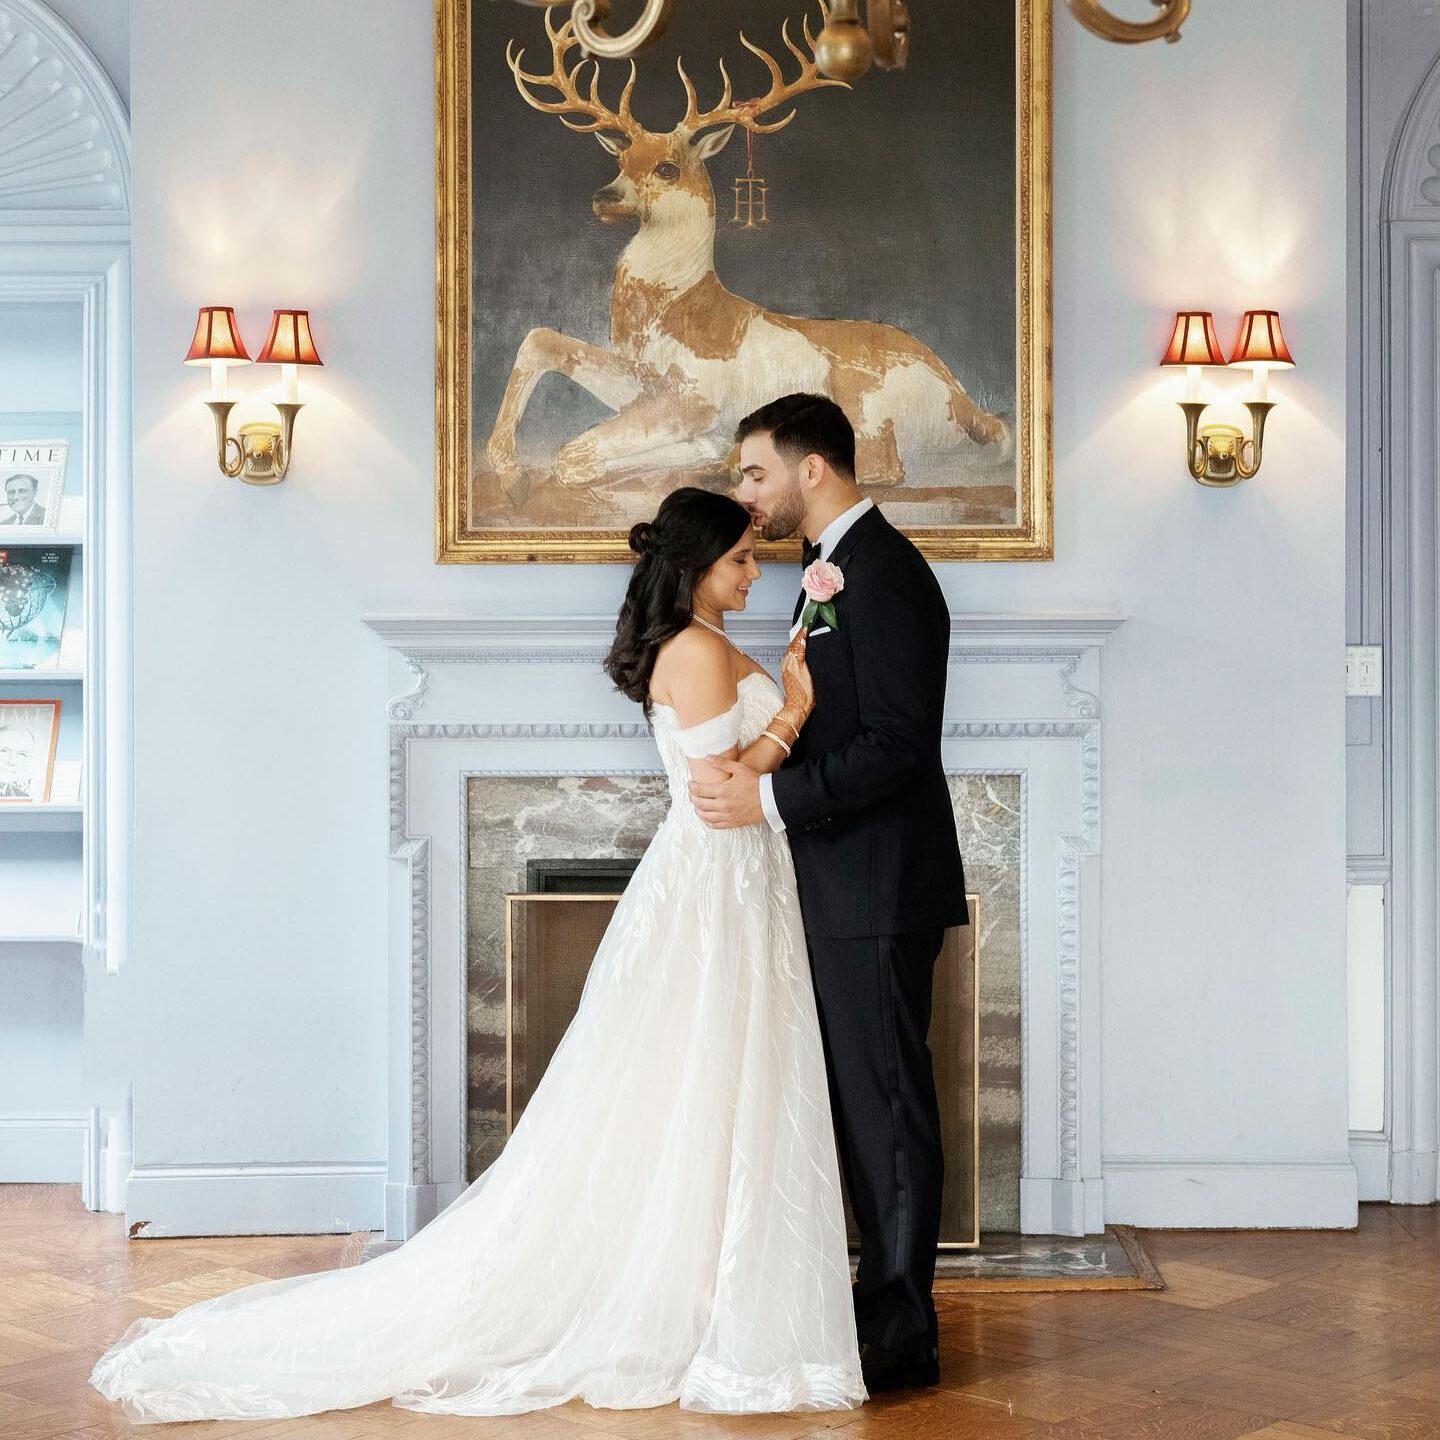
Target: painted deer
[(688, 358)]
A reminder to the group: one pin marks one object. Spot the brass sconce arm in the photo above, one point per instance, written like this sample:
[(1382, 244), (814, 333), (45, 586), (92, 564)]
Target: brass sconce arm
[(1222, 455), (220, 410), (260, 454)]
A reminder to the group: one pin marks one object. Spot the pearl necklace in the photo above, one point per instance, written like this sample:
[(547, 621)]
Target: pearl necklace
[(699, 621)]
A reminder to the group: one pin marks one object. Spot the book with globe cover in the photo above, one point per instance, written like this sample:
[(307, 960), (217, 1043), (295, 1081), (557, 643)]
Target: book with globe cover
[(34, 583)]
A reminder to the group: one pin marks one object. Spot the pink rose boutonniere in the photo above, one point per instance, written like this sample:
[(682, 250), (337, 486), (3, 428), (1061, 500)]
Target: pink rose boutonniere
[(823, 582)]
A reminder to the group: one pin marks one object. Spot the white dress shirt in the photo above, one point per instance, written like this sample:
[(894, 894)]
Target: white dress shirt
[(829, 539)]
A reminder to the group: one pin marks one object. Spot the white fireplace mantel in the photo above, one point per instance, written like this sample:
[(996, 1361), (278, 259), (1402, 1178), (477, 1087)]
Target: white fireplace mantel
[(526, 696)]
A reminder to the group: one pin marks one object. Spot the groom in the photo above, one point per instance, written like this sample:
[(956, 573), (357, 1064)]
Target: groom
[(864, 803)]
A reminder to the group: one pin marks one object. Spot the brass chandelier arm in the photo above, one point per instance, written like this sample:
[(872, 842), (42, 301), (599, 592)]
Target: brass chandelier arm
[(888, 20), (589, 16), (888, 23), (1099, 21)]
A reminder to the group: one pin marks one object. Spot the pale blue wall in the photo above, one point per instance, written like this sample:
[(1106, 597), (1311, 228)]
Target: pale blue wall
[(252, 1017)]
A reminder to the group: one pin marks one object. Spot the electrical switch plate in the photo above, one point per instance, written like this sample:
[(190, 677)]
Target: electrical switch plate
[(1364, 670)]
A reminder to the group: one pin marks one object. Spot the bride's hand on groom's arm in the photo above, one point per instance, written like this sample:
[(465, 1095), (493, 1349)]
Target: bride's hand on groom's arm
[(731, 801), (795, 678)]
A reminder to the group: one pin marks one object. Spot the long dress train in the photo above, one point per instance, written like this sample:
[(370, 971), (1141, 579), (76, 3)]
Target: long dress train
[(664, 1224)]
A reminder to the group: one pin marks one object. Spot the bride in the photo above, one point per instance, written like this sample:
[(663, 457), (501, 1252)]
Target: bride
[(665, 1223)]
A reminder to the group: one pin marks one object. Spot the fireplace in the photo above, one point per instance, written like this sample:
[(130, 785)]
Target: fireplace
[(509, 748), (553, 930)]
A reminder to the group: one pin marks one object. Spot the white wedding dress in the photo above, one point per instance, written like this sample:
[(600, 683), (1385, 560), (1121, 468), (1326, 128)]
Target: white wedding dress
[(664, 1224)]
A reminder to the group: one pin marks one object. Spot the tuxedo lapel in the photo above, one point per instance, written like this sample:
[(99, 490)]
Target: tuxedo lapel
[(867, 524)]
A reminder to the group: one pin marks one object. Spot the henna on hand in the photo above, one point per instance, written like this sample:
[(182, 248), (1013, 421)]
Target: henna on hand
[(796, 682)]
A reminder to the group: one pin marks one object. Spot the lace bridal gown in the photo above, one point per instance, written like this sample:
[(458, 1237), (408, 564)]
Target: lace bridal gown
[(664, 1224)]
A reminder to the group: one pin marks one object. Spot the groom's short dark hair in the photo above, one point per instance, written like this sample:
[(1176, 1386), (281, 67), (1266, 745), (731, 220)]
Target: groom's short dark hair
[(800, 425)]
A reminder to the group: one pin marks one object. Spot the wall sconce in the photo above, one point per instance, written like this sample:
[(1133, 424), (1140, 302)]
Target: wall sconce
[(261, 449), (1222, 454)]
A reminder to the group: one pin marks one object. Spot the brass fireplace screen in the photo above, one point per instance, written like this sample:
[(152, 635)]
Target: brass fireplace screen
[(550, 940)]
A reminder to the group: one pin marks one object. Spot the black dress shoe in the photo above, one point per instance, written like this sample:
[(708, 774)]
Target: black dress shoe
[(889, 1370)]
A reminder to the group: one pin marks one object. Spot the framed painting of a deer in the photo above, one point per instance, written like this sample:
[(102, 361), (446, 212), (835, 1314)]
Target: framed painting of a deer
[(629, 258)]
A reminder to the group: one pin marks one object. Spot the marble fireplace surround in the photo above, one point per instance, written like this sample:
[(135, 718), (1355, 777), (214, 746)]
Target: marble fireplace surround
[(526, 696)]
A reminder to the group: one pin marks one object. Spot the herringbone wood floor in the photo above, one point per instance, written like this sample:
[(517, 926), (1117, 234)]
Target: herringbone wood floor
[(1275, 1335)]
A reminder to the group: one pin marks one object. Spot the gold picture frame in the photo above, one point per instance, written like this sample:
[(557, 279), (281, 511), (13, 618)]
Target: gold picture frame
[(458, 542)]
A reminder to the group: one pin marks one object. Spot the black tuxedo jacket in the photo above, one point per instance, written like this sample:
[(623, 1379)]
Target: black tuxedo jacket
[(863, 795)]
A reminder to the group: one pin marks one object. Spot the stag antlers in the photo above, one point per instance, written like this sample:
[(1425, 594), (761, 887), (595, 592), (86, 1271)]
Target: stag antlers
[(602, 117), (566, 82), (746, 113)]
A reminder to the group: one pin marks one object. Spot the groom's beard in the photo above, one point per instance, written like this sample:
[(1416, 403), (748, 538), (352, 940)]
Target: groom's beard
[(786, 518)]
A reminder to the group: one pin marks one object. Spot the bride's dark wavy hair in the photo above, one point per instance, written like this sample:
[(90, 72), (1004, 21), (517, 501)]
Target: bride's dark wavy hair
[(691, 530)]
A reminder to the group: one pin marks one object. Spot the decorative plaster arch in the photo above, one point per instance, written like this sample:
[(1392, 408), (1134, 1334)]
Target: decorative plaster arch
[(1407, 345), (1412, 176), (64, 134)]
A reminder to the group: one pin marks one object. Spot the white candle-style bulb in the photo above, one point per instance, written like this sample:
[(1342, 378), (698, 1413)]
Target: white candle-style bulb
[(1262, 382), (1192, 382), (217, 379), (290, 374)]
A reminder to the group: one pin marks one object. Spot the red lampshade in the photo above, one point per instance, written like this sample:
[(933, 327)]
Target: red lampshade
[(1260, 341), (289, 342), (1193, 340), (217, 337)]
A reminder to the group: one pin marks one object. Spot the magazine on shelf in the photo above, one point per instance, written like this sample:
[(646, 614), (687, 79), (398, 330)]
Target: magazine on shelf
[(29, 732), (32, 484), (65, 787), (34, 584)]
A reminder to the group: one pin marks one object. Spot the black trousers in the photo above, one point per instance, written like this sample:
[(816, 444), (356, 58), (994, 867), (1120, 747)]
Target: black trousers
[(873, 996)]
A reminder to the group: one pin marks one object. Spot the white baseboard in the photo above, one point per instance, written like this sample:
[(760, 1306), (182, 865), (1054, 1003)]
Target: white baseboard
[(320, 1198), (1413, 1177), (114, 1176), (1370, 1155), (1213, 1192), (1062, 1207), (408, 1209), (46, 1148)]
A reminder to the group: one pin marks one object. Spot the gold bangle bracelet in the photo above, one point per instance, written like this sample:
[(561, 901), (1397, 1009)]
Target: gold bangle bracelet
[(771, 735)]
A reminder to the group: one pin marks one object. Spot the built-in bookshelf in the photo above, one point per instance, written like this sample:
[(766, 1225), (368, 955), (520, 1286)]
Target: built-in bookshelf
[(64, 844), (45, 619), (44, 623)]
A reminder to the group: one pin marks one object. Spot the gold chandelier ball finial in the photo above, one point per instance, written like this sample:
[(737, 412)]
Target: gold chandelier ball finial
[(843, 49)]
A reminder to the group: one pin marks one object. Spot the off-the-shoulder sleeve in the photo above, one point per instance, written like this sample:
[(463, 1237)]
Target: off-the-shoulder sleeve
[(711, 736)]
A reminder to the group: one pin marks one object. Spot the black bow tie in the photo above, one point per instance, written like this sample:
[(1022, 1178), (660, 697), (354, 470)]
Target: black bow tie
[(809, 553)]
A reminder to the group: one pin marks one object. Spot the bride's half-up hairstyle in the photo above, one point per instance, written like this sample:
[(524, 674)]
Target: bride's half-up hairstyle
[(692, 529)]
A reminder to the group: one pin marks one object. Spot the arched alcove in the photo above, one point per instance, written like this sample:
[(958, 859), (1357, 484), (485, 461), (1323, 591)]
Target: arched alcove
[(1409, 371), (1412, 181), (64, 134), (65, 249)]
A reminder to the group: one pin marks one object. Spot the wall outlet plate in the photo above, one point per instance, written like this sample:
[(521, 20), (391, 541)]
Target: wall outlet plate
[(1364, 670)]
